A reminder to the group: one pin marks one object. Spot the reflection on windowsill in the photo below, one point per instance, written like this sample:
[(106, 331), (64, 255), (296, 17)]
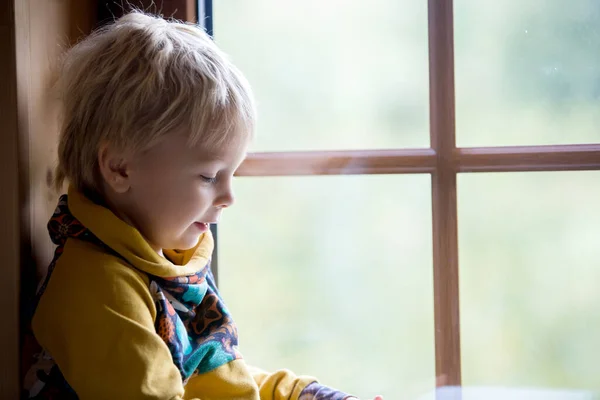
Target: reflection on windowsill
[(507, 393)]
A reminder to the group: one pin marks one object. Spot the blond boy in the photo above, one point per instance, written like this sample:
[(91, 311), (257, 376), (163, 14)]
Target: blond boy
[(156, 122)]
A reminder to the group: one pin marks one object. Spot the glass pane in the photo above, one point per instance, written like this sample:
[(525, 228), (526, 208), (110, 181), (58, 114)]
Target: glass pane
[(332, 277), (332, 74), (530, 280), (528, 72)]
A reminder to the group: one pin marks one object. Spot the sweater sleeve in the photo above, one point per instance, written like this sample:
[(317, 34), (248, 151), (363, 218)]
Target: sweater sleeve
[(280, 385), (98, 325), (236, 380), (284, 385)]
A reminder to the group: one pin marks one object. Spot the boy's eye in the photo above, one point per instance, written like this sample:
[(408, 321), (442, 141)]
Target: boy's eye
[(208, 179)]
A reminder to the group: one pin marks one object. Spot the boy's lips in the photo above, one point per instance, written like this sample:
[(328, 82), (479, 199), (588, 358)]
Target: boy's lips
[(207, 222), (202, 226)]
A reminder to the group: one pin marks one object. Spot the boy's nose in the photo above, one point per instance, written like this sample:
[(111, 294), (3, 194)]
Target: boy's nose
[(226, 199)]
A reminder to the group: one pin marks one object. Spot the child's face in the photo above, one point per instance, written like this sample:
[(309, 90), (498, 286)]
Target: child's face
[(177, 190)]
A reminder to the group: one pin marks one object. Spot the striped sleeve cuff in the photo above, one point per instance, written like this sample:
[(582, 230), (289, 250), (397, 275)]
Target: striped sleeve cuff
[(316, 391)]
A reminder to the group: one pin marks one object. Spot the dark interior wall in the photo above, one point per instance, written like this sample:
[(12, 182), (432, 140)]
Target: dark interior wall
[(185, 10)]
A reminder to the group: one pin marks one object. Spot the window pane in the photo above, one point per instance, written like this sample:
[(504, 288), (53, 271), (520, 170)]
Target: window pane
[(528, 72), (530, 275), (332, 277), (332, 74)]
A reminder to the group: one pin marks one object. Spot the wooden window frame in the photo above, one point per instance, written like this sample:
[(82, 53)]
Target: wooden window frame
[(443, 161)]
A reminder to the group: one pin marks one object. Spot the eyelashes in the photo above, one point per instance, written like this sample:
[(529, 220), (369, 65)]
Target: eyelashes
[(208, 179)]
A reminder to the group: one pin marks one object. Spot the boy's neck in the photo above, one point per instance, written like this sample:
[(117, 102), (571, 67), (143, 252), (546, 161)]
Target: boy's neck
[(117, 206)]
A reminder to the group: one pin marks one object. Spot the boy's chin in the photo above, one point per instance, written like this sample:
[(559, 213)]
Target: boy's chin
[(188, 242)]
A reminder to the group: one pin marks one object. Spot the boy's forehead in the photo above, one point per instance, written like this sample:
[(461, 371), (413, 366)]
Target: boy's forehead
[(179, 147), (226, 153)]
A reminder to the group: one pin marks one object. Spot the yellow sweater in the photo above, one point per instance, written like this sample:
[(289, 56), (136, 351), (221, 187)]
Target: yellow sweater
[(97, 320)]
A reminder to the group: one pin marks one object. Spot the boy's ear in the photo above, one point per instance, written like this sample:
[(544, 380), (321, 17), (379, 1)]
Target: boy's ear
[(113, 167)]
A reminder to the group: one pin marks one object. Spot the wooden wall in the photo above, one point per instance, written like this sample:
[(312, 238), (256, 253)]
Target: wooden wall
[(10, 206), (34, 34)]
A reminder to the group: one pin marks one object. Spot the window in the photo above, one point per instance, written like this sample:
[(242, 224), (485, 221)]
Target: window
[(341, 257), (528, 278)]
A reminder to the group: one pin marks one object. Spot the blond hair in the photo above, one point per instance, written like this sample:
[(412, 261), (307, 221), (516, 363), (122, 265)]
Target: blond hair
[(139, 79)]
